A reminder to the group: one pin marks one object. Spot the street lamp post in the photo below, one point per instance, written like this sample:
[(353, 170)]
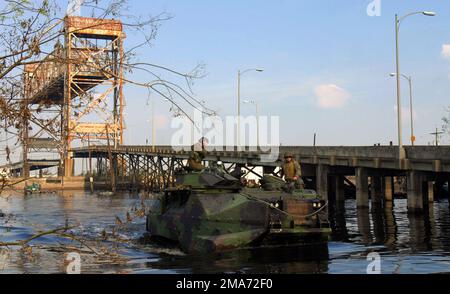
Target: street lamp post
[(398, 21), (409, 79), (153, 126), (203, 102), (257, 118), (238, 132), (152, 121)]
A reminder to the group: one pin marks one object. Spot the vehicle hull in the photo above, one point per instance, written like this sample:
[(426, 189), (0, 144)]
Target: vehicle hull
[(221, 221)]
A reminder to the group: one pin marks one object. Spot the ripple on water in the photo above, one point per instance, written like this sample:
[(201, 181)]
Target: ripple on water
[(406, 244)]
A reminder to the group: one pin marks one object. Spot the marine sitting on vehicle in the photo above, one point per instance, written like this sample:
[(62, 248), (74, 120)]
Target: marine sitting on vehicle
[(197, 155), (292, 172)]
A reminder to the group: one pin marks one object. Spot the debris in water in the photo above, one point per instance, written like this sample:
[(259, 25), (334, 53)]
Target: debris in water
[(118, 221), (104, 235)]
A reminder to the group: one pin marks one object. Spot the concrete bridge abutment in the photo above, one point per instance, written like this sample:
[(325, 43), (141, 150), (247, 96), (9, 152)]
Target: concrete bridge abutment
[(376, 190), (322, 183), (388, 188), (362, 187), (431, 189), (419, 192), (338, 188)]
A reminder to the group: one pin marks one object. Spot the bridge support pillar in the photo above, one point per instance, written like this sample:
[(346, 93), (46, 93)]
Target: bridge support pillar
[(431, 192), (439, 184), (362, 188), (322, 181), (375, 190), (338, 185), (448, 189), (68, 167), (417, 189), (26, 170), (388, 188), (448, 186)]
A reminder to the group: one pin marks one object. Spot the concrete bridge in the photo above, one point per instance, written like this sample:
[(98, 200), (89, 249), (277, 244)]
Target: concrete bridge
[(16, 168), (424, 167)]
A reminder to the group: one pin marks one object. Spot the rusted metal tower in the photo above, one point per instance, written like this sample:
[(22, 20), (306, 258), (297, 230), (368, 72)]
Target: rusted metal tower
[(76, 92)]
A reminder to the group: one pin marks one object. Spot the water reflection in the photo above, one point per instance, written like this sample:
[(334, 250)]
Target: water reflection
[(407, 242), (418, 233), (273, 261), (443, 225), (338, 222), (379, 223), (364, 226), (390, 225)]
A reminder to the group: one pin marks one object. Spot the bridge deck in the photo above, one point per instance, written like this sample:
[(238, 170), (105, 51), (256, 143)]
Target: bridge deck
[(34, 164), (422, 158)]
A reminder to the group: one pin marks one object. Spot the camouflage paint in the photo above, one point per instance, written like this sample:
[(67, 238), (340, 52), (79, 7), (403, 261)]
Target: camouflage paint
[(206, 212)]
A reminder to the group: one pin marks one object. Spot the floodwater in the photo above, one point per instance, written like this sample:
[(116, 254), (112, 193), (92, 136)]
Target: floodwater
[(406, 244)]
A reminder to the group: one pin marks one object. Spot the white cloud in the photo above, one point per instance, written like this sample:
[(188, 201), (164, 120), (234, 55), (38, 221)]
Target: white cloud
[(446, 51), (331, 96)]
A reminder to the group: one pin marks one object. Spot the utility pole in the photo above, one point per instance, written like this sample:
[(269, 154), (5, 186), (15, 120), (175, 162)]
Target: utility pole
[(112, 166), (401, 151), (25, 165), (152, 121), (153, 125), (91, 179), (398, 21), (409, 79), (238, 129), (437, 133), (413, 138), (254, 102)]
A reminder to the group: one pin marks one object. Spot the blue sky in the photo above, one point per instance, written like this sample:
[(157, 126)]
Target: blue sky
[(326, 62)]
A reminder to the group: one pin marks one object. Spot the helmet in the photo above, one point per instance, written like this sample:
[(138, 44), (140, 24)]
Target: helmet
[(203, 141), (288, 154)]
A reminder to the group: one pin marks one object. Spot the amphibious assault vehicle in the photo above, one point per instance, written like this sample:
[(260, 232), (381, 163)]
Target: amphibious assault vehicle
[(211, 211)]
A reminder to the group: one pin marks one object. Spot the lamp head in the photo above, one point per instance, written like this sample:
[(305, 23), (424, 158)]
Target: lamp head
[(429, 13)]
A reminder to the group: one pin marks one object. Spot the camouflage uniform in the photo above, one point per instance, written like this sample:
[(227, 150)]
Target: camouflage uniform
[(291, 170), (195, 160)]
